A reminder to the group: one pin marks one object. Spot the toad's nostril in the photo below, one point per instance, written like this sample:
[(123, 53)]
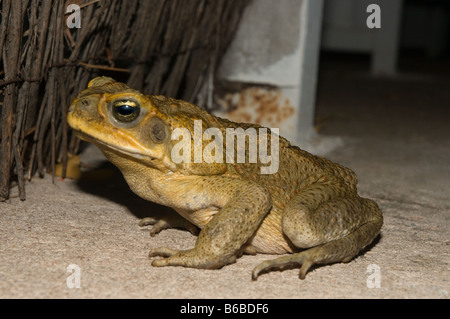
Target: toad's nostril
[(85, 102)]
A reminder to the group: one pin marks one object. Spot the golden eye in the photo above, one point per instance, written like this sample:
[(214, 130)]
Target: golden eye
[(125, 110)]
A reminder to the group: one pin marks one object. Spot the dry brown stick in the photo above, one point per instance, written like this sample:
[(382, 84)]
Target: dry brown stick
[(57, 58), (88, 3), (69, 38), (53, 139), (41, 128), (42, 30), (64, 150), (36, 135), (11, 53), (102, 67), (52, 55), (27, 94), (18, 80), (4, 24), (7, 128), (47, 105), (19, 168)]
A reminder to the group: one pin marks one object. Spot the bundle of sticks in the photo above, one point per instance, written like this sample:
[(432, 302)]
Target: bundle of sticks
[(49, 50)]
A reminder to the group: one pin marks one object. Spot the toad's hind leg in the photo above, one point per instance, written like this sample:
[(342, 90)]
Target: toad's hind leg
[(334, 228)]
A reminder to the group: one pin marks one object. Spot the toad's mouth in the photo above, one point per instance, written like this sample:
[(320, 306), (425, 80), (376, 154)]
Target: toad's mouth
[(117, 149)]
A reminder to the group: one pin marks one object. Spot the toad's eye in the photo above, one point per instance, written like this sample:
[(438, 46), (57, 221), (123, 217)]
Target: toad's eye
[(125, 110)]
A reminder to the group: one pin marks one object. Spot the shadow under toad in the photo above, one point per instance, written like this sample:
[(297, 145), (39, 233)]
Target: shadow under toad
[(107, 182)]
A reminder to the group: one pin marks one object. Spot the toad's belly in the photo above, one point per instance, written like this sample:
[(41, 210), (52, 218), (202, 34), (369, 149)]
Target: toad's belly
[(269, 238)]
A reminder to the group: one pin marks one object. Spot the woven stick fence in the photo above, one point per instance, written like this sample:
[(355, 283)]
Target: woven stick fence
[(169, 47)]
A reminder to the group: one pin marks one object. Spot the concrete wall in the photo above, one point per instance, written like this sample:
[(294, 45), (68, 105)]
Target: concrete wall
[(275, 53)]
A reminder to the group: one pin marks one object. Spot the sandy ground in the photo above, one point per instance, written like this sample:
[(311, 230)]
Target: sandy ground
[(395, 136)]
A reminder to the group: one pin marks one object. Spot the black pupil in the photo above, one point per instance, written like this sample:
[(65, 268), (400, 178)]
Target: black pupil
[(125, 110)]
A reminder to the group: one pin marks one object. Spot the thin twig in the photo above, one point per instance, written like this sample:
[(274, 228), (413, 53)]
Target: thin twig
[(103, 67)]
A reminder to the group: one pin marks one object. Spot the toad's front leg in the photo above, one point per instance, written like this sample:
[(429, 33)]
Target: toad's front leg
[(220, 241)]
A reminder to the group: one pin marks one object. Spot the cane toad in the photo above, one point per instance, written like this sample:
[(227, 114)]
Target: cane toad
[(308, 209)]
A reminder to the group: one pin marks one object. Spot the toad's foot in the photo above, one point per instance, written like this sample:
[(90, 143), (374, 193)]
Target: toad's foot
[(161, 224), (300, 258), (188, 258)]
